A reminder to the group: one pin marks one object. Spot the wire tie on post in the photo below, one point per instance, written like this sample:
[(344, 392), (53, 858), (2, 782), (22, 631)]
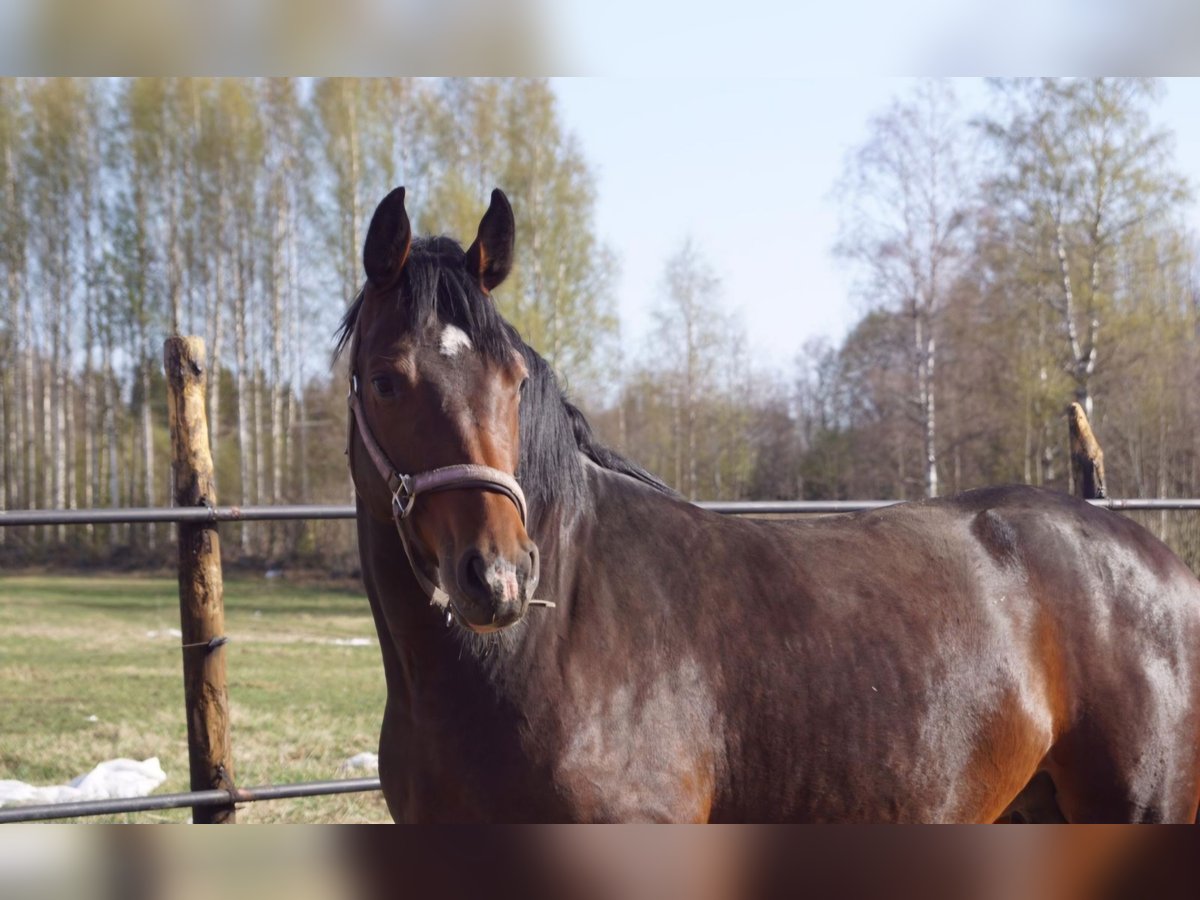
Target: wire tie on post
[(209, 645), (226, 784)]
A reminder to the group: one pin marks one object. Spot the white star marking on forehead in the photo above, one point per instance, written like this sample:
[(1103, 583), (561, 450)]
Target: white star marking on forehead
[(453, 340)]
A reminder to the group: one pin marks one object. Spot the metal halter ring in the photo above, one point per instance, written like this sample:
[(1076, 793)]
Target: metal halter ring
[(403, 497)]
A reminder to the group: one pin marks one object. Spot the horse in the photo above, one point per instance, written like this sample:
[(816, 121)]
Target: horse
[(565, 639)]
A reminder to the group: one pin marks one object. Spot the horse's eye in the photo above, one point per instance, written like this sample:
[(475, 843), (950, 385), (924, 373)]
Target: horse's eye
[(383, 386), (524, 384)]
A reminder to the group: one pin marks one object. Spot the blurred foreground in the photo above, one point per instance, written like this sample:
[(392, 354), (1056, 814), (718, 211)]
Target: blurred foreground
[(628, 863)]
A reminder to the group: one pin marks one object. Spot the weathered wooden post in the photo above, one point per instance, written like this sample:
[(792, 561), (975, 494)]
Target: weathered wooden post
[(1087, 459), (201, 604)]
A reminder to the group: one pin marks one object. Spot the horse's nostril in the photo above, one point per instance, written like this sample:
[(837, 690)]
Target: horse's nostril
[(479, 574), (472, 577)]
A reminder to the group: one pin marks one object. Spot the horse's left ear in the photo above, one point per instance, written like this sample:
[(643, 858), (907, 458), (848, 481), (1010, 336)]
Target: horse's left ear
[(388, 241), (490, 257)]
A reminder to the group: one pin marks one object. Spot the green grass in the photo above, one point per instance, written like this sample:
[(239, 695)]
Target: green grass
[(76, 646)]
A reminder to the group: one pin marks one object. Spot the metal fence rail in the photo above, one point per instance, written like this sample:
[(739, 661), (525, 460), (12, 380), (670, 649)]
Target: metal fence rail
[(283, 513), (43, 812)]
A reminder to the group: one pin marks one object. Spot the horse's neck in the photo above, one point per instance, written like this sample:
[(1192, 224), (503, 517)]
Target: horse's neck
[(403, 618), (424, 658), (422, 655)]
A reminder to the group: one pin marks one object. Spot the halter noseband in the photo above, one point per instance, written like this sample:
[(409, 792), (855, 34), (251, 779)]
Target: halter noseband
[(405, 490)]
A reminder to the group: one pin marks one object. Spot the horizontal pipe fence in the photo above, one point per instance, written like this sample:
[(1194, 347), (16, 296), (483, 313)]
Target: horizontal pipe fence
[(217, 514), (216, 797), (302, 512)]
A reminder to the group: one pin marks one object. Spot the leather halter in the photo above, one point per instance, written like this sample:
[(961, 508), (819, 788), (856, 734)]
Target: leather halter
[(405, 490)]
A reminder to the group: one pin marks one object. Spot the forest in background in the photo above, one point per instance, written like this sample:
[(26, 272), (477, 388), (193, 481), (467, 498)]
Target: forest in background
[(1007, 264)]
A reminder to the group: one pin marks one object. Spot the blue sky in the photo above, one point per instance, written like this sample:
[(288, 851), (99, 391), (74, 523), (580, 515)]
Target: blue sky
[(872, 37), (747, 167)]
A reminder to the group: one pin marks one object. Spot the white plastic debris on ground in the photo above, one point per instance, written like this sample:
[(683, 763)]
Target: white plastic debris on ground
[(112, 779), (361, 762), (351, 642)]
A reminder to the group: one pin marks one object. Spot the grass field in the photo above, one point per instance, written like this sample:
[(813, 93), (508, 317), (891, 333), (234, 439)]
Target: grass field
[(73, 647)]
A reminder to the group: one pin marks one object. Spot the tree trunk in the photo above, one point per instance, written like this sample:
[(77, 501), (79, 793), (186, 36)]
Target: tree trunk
[(218, 349), (148, 446), (48, 469), (930, 410), (677, 438), (11, 391), (298, 416), (29, 438), (174, 263), (66, 410), (90, 445), (924, 359), (68, 424), (17, 428), (55, 372), (256, 407), (5, 444), (220, 260), (278, 286), (111, 433), (1082, 364), (243, 409), (355, 244), (689, 394)]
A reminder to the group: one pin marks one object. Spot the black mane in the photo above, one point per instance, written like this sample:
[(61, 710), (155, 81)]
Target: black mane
[(554, 431)]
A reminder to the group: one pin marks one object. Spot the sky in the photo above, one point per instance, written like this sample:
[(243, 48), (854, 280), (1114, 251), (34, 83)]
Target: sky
[(747, 168), (857, 37)]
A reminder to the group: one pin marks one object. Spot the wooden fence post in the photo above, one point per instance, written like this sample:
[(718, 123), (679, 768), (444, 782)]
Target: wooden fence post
[(1087, 459), (201, 604)]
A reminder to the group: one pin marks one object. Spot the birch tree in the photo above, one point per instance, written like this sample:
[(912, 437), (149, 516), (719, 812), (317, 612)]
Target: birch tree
[(16, 385), (904, 226), (689, 328), (1084, 166)]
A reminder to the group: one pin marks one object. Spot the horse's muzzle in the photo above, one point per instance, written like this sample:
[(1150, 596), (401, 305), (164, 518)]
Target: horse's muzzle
[(494, 592)]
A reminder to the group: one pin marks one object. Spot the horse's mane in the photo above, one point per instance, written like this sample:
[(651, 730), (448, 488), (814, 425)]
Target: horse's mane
[(554, 432)]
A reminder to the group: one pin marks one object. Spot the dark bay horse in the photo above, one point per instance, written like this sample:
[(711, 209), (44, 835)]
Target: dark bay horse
[(1009, 650)]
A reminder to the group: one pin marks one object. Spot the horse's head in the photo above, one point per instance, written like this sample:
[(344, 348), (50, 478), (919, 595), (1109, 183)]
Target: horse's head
[(436, 382)]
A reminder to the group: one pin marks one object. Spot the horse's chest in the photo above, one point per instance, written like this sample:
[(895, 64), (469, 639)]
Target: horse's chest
[(644, 749)]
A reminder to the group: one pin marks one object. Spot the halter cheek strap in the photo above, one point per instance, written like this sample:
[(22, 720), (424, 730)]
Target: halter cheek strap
[(405, 490)]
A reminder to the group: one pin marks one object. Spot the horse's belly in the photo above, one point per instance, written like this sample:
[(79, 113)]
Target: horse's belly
[(957, 748)]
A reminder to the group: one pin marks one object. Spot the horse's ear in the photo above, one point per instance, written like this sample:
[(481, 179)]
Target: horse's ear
[(388, 241), (490, 258)]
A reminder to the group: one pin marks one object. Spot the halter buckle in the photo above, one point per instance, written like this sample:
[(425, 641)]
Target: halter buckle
[(403, 497)]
